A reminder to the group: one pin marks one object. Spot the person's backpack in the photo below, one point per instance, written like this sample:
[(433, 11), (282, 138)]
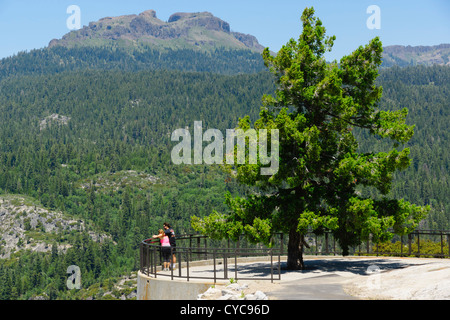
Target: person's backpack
[(172, 237)]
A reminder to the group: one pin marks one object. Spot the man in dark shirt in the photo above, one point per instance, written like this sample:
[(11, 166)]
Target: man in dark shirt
[(171, 234)]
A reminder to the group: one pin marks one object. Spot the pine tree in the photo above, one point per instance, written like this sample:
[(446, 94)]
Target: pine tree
[(316, 107)]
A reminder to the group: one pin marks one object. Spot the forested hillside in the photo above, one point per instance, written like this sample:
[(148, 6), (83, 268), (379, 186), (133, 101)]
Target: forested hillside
[(425, 92), (59, 59), (114, 121), (95, 145)]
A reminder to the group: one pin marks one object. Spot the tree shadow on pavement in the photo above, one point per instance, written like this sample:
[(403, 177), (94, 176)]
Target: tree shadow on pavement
[(356, 266)]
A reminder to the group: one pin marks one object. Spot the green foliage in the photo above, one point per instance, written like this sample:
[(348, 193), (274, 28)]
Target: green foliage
[(427, 249)]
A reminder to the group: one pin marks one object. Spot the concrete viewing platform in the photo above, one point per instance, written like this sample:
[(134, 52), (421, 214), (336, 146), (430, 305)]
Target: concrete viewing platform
[(325, 278)]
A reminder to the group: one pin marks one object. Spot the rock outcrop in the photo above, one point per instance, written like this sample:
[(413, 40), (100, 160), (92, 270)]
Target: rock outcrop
[(21, 221), (233, 291)]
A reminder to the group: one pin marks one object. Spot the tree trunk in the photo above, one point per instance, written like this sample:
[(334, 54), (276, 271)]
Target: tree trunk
[(295, 250)]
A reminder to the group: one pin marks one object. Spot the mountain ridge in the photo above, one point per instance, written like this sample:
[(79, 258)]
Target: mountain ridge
[(182, 30), (416, 55), (192, 42)]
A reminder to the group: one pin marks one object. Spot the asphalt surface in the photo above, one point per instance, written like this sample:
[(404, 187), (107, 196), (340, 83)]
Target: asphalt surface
[(327, 287), (325, 277)]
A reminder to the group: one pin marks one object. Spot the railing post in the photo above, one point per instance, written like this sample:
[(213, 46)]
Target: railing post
[(187, 263), (279, 265), (235, 263), (154, 261), (418, 244), (149, 260), (409, 243), (141, 257), (225, 265), (281, 243), (171, 263), (271, 265), (334, 246), (448, 243), (179, 262), (401, 246), (198, 248), (145, 258), (214, 262), (206, 251), (317, 246)]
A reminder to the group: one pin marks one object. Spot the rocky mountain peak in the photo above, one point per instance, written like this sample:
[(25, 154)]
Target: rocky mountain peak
[(202, 19), (186, 15), (148, 14), (199, 30)]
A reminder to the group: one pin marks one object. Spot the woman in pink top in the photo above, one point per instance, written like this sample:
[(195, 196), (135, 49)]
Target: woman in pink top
[(165, 248)]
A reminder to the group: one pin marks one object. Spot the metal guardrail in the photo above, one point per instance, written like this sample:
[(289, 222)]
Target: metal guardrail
[(223, 257), (223, 261), (413, 244)]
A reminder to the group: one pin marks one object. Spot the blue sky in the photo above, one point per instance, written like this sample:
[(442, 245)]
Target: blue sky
[(26, 24)]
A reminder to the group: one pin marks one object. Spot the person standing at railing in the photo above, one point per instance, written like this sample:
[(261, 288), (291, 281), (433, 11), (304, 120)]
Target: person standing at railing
[(165, 248), (171, 234)]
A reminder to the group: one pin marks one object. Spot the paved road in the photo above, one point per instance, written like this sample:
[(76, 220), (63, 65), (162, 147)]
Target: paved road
[(323, 279), (326, 287), (326, 277)]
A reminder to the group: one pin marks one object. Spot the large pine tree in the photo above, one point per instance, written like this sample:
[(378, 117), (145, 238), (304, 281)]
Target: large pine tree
[(315, 109)]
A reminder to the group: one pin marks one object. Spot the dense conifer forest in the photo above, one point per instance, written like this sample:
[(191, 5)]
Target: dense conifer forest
[(58, 59), (76, 125)]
